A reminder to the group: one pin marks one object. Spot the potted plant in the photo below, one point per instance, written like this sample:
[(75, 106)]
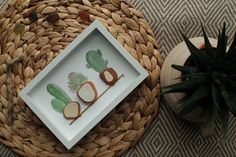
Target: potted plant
[(85, 89), (95, 61), (200, 83), (62, 103)]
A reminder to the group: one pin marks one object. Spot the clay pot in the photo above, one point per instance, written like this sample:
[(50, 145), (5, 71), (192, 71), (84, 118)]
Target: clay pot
[(168, 76), (87, 92), (71, 110), (109, 76)]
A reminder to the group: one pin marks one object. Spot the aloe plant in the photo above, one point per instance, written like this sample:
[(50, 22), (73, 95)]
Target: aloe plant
[(210, 82)]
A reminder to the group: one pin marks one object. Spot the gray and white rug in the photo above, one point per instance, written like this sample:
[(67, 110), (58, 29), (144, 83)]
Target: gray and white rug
[(169, 136)]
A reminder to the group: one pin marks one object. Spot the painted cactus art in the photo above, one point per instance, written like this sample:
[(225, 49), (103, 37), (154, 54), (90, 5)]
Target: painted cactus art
[(82, 87), (85, 89), (95, 61), (62, 103)]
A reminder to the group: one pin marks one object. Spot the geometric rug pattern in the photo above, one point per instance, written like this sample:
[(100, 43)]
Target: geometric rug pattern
[(169, 135)]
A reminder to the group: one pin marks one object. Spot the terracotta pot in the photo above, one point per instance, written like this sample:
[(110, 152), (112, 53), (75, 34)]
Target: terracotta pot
[(109, 76), (87, 92), (178, 56)]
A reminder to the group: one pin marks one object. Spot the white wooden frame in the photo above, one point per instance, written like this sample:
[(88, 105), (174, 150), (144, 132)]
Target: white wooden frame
[(25, 93)]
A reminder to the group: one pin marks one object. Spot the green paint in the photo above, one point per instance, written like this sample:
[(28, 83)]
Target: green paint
[(95, 61), (75, 81), (58, 93), (58, 105)]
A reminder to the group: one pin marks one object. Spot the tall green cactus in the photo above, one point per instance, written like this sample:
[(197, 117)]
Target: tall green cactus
[(95, 60), (61, 99), (58, 93)]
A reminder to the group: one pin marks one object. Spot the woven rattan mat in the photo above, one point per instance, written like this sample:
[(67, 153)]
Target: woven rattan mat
[(41, 42)]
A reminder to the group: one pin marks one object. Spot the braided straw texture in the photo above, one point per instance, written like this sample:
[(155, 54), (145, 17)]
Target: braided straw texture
[(41, 42)]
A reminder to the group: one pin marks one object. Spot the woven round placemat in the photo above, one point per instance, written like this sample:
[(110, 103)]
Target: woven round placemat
[(24, 55)]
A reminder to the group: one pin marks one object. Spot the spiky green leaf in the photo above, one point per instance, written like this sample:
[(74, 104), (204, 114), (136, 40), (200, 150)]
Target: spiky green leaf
[(224, 118), (208, 48), (212, 110), (192, 101), (200, 59), (180, 89), (187, 84), (201, 76), (214, 80), (227, 98), (220, 50), (184, 69)]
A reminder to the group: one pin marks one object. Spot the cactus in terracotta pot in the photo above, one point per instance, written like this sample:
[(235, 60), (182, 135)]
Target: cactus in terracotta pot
[(62, 103), (95, 61), (85, 89)]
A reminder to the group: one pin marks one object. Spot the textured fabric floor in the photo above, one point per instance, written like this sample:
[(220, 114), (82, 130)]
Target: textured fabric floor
[(169, 136)]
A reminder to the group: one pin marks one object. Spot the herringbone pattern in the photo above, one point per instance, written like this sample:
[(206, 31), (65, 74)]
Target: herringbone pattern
[(169, 136)]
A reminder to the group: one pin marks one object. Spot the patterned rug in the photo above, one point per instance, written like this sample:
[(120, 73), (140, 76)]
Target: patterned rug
[(169, 136)]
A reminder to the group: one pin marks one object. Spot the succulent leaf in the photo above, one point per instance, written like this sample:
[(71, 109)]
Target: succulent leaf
[(202, 77), (184, 84), (199, 58), (95, 60), (176, 88), (220, 51), (226, 97), (224, 118), (184, 69), (212, 111), (208, 48), (191, 103)]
